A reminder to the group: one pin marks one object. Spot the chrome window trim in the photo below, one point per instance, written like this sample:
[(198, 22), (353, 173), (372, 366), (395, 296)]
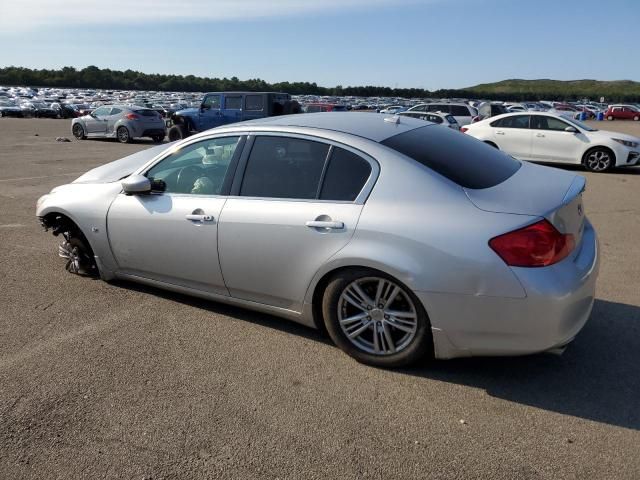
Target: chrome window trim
[(362, 196)]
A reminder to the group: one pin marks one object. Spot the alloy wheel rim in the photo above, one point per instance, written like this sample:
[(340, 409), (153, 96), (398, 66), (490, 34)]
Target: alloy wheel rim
[(123, 134), (598, 160), (73, 256), (377, 316), (77, 131)]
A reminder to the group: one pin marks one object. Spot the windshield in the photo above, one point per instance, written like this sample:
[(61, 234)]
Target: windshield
[(580, 124)]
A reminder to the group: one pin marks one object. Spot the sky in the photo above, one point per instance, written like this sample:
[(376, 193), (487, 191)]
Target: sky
[(428, 44)]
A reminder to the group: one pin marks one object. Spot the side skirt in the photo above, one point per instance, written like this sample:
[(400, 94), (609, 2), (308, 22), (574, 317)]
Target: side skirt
[(259, 307)]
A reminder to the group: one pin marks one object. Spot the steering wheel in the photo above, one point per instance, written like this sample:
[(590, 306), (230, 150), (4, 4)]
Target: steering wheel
[(186, 177)]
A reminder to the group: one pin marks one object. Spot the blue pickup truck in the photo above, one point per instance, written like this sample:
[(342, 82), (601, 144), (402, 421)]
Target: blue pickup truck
[(221, 108)]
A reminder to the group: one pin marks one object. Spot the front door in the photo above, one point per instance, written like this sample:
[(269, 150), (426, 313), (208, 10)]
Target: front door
[(290, 215), (210, 112), (172, 236), (551, 143)]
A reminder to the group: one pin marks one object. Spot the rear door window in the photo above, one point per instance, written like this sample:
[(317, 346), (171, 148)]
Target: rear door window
[(517, 121), (233, 103), (460, 111), (284, 167), (345, 176), (461, 159)]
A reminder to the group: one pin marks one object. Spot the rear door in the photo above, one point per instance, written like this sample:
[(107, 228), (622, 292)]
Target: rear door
[(295, 205), (551, 143), (513, 136), (232, 111)]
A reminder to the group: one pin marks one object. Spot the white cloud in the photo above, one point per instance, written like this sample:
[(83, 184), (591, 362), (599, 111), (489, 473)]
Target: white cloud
[(24, 15)]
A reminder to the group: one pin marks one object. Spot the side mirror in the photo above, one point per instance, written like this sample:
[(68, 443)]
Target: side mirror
[(571, 130), (136, 184)]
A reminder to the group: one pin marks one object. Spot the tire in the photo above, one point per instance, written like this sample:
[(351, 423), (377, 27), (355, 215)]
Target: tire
[(76, 250), (610, 118), (123, 136), (177, 132), (380, 343), (157, 138), (78, 131), (599, 160)]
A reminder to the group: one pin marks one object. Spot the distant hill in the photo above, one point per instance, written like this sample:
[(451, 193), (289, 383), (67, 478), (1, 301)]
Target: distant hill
[(558, 89)]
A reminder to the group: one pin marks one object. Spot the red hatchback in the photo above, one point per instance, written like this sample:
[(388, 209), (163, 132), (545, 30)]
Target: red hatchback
[(622, 112)]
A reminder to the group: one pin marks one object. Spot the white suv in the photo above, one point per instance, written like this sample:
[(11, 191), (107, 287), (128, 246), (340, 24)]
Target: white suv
[(463, 113)]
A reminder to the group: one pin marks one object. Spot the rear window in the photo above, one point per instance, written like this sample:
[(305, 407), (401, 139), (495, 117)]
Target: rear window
[(146, 113), (462, 159)]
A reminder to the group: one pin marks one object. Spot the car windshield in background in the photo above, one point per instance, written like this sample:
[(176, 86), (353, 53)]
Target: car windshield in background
[(461, 159), (580, 124), (146, 113)]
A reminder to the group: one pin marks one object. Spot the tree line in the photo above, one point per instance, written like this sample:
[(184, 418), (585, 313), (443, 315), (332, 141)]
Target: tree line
[(107, 79)]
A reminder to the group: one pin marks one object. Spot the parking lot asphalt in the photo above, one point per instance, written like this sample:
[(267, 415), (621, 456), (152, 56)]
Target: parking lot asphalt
[(115, 380)]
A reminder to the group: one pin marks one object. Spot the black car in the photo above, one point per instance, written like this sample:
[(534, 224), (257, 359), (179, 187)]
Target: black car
[(8, 109)]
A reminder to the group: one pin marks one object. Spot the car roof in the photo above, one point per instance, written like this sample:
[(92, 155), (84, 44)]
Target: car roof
[(373, 126)]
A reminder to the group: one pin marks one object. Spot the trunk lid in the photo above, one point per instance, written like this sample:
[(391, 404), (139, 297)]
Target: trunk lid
[(538, 191)]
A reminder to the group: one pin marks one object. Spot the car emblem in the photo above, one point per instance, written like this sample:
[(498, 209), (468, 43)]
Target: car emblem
[(580, 209)]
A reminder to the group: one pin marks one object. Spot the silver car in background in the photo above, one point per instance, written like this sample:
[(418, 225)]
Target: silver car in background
[(120, 121), (400, 238)]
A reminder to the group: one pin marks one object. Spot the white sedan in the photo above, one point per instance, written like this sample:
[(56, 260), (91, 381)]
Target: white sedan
[(548, 137)]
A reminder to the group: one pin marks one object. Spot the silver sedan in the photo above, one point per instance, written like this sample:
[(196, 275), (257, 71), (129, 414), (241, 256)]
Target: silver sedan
[(402, 239)]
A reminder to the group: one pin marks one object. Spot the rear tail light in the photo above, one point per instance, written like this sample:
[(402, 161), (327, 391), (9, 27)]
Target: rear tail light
[(463, 129), (538, 245), (132, 116)]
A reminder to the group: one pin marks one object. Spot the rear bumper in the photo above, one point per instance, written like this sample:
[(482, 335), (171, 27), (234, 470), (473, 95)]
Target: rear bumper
[(558, 304), (147, 130)]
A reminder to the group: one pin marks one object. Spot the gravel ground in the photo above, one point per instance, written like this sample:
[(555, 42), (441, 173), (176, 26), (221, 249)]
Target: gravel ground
[(116, 380)]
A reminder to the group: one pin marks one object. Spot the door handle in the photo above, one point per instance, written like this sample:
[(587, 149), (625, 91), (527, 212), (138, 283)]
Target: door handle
[(325, 224), (499, 132), (199, 218), (539, 134)]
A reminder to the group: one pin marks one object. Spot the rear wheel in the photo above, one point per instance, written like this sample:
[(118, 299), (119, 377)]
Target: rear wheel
[(599, 159), (636, 118), (610, 117), (375, 319), (123, 135), (78, 132), (177, 132)]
